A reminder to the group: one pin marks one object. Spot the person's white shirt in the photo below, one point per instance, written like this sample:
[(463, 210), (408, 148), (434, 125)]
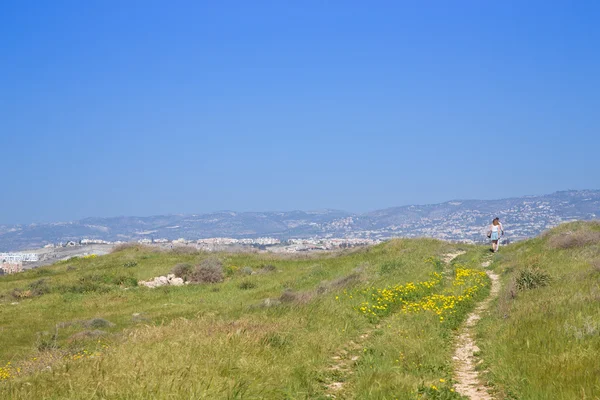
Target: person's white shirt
[(500, 232)]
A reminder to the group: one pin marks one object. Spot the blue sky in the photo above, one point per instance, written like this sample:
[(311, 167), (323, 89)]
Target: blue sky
[(151, 107)]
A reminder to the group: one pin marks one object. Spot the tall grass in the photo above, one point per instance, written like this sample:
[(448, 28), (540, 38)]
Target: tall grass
[(542, 340), (275, 333)]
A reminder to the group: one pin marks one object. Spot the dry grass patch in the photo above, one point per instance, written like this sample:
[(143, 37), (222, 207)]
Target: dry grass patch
[(570, 239)]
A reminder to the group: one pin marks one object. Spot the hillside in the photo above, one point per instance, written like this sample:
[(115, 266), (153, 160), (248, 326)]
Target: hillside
[(541, 339), (454, 220), (275, 327), (374, 323)]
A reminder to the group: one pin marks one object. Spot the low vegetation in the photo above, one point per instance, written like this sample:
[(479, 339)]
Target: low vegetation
[(542, 338), (377, 323), (247, 326)]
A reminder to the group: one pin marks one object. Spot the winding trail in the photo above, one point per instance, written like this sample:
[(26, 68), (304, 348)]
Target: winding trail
[(466, 375)]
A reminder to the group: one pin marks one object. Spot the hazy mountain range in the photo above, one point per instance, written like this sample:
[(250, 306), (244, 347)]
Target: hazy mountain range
[(455, 220)]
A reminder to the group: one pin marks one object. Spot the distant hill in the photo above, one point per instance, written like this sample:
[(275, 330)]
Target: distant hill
[(454, 220)]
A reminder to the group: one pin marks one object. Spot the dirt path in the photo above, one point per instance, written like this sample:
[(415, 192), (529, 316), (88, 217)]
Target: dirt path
[(447, 258), (467, 377), (344, 362)]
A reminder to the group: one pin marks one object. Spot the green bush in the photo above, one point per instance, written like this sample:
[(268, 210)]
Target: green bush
[(531, 278), (46, 341), (247, 285), (39, 287), (130, 264)]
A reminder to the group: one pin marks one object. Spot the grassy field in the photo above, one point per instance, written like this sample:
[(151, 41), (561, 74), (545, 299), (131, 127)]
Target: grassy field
[(542, 338), (375, 323)]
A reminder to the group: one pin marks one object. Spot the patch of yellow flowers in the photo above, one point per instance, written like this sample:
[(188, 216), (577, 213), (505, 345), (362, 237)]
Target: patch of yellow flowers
[(419, 297), (382, 300), (7, 372)]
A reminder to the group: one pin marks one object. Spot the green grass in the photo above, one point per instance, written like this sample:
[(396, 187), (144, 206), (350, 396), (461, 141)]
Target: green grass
[(299, 324), (542, 337), (276, 334)]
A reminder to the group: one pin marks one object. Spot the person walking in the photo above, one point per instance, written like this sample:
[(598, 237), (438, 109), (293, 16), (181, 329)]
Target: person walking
[(494, 233), (501, 233)]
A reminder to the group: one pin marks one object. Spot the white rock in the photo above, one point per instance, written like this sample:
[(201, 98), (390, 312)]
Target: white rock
[(176, 282), (161, 281), (170, 276), (150, 284)]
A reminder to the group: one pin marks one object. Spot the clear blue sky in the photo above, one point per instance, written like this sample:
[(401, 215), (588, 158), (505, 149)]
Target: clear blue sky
[(151, 107)]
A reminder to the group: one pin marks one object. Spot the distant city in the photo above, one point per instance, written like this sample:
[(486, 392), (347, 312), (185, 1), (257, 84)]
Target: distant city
[(298, 231)]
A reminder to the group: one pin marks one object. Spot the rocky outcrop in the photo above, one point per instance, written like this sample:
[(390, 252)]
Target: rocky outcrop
[(169, 280)]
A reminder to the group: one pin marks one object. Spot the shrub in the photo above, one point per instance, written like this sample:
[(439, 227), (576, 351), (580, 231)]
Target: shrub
[(209, 270), (183, 271), (39, 287), (531, 278), (244, 285), (268, 268), (130, 264), (46, 341), (247, 271)]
